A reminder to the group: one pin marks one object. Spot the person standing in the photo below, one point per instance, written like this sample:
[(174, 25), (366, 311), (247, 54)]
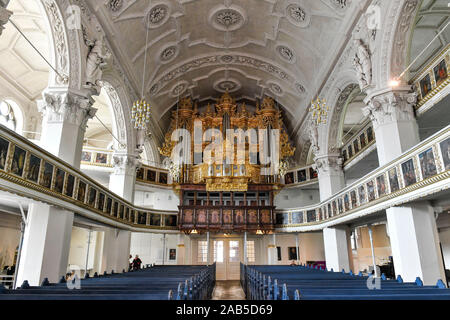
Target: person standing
[(137, 263)]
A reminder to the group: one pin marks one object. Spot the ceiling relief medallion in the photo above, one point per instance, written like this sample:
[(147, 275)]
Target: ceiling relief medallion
[(230, 85), (114, 5), (157, 16), (179, 89), (227, 59), (286, 53), (168, 54), (275, 89), (340, 4), (227, 18), (297, 15), (154, 89), (300, 88)]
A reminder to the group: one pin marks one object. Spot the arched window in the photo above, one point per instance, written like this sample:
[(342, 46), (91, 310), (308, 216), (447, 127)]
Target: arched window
[(7, 116)]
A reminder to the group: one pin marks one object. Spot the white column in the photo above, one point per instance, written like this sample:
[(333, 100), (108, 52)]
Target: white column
[(4, 16), (208, 247), (272, 258), (374, 263), (331, 175), (415, 243), (245, 248), (46, 244), (394, 123), (181, 254), (122, 180), (413, 232), (298, 247), (65, 116), (116, 250), (336, 249)]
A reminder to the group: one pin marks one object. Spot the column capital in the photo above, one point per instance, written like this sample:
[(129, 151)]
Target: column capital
[(4, 16), (125, 164), (329, 164), (68, 107), (389, 106)]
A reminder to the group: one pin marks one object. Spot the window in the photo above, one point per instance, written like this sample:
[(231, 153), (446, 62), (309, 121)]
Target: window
[(279, 253), (218, 251), (234, 251), (7, 117), (251, 252), (202, 251)]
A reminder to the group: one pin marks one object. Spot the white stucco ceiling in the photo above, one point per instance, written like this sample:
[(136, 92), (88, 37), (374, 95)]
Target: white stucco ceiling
[(250, 47), (21, 68)]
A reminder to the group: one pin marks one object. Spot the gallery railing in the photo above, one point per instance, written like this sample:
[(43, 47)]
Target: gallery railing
[(146, 174), (91, 156), (418, 173), (152, 175), (358, 143), (300, 176), (30, 171), (432, 81)]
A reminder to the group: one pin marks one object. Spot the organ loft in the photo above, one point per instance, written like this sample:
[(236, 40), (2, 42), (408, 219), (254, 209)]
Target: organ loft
[(230, 189)]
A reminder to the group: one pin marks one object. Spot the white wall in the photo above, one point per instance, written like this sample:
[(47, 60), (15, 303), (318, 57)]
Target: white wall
[(311, 247), (9, 241), (296, 197), (79, 249), (444, 237), (160, 199), (149, 247)]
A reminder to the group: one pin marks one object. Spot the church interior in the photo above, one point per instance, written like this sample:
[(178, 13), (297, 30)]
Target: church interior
[(224, 150)]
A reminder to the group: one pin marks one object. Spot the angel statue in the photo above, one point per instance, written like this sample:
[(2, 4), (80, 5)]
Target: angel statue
[(95, 63)]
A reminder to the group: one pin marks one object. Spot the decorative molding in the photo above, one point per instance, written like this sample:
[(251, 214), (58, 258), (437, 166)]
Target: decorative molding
[(329, 165), (232, 59), (157, 16), (390, 107), (227, 84), (298, 15), (286, 53), (125, 164), (61, 107), (61, 45), (229, 18)]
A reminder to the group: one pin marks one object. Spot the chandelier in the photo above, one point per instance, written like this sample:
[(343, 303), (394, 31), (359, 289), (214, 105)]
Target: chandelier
[(140, 114), (319, 110)]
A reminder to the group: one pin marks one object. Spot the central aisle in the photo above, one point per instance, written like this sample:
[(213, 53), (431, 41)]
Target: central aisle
[(228, 290)]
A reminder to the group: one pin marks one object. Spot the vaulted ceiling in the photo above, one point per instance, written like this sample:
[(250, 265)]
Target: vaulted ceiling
[(251, 48)]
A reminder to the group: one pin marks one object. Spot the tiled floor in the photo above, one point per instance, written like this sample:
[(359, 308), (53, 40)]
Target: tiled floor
[(228, 290)]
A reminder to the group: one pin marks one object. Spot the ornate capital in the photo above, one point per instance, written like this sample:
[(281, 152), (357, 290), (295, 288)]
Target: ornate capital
[(4, 16), (125, 164), (389, 107), (61, 107), (329, 164)]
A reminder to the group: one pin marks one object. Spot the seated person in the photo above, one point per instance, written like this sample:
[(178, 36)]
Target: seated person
[(293, 263)]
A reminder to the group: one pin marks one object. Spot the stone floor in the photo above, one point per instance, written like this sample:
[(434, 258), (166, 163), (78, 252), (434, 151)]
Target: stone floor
[(228, 290)]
